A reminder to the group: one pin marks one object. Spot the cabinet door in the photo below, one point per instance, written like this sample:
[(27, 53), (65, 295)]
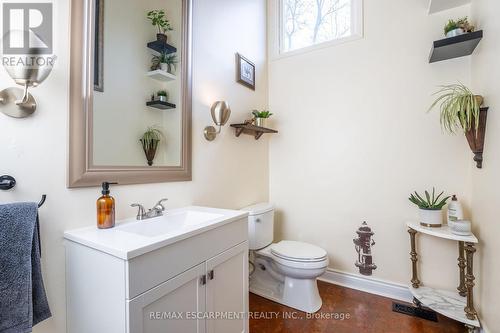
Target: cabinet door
[(170, 306), (227, 290)]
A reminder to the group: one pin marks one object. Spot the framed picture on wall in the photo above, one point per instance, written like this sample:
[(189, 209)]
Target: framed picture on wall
[(245, 71)]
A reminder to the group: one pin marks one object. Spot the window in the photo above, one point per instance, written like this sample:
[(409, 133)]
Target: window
[(305, 23)]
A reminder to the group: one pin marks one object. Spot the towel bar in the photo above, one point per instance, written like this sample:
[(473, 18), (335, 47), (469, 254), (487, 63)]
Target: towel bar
[(7, 182)]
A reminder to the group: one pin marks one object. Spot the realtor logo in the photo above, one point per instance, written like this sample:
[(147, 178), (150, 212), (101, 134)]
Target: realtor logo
[(27, 28)]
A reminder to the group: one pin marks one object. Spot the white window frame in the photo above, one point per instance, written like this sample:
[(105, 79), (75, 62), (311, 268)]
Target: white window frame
[(276, 25)]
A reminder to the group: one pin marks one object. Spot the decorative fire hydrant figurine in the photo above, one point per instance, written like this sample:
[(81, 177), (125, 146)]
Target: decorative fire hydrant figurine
[(363, 245)]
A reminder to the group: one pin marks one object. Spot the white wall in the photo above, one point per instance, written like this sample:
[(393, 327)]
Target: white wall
[(355, 140), (229, 172), (486, 182)]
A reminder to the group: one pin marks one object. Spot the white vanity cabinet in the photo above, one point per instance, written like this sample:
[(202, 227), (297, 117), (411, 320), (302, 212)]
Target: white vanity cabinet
[(197, 284)]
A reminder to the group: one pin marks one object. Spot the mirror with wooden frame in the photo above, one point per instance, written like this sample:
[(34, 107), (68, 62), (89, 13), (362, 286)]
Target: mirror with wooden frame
[(130, 92)]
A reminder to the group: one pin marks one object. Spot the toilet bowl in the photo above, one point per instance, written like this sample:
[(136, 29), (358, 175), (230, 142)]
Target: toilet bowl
[(286, 271)]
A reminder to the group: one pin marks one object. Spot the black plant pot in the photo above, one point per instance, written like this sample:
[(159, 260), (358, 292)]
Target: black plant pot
[(161, 38), (150, 151)]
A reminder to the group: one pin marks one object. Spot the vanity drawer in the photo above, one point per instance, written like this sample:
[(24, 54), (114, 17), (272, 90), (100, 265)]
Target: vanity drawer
[(151, 269)]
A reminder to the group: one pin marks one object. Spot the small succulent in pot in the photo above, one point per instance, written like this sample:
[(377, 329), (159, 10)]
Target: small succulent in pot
[(158, 19), (430, 208), (162, 95), (150, 141), (454, 28), (261, 117)]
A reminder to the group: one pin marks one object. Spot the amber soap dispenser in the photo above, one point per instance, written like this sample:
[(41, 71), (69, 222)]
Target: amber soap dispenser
[(106, 208)]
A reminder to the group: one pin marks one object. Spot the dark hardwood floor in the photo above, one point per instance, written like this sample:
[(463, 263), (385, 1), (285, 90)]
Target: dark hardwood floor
[(368, 314)]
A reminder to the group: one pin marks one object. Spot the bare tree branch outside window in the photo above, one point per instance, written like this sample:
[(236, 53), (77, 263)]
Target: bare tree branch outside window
[(309, 22)]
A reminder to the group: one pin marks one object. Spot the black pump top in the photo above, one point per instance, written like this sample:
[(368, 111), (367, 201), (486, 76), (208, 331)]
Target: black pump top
[(454, 198), (105, 187)]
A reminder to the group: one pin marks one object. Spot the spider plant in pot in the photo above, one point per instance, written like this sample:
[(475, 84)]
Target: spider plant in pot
[(158, 19), (162, 96), (261, 117), (430, 208), (461, 112), (165, 61), (150, 141)]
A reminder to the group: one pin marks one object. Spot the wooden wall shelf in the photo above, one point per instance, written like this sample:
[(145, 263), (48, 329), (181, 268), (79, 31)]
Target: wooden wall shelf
[(161, 47), (250, 129), (440, 5), (455, 47), (160, 105), (161, 75), (476, 138)]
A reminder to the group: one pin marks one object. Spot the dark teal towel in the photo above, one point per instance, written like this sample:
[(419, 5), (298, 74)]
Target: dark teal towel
[(23, 302)]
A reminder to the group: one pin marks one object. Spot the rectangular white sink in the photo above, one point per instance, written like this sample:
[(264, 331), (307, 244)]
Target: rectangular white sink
[(131, 238), (169, 223)]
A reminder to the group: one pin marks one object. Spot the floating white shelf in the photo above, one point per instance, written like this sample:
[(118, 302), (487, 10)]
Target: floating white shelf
[(440, 5), (442, 232), (447, 303), (161, 75)]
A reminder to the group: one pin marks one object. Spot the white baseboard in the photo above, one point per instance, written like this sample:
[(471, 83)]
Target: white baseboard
[(370, 285)]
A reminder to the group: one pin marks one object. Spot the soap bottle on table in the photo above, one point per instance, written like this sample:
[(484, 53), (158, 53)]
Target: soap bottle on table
[(105, 208), (455, 211)]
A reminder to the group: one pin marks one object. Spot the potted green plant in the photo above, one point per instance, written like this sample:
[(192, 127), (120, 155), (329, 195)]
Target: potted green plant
[(459, 108), (158, 19), (150, 141), (260, 117), (170, 60), (454, 28), (165, 61), (430, 208), (162, 96)]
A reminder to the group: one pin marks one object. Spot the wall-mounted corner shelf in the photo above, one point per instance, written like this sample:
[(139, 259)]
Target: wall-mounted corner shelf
[(161, 75), (161, 47), (440, 5), (250, 129), (454, 47), (476, 138), (160, 105)]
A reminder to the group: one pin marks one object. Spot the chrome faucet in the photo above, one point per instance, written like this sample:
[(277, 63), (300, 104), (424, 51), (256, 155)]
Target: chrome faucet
[(157, 210)]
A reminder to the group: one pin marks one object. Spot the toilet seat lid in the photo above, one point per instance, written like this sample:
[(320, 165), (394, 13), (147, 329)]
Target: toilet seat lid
[(298, 251)]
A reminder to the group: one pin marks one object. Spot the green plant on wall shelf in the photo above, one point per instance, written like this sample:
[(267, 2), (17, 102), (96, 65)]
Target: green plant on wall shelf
[(430, 202), (459, 108), (462, 24), (165, 61), (159, 20), (261, 114), (150, 141)]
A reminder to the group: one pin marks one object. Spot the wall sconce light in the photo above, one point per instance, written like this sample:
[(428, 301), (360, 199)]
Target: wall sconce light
[(18, 102), (220, 114)]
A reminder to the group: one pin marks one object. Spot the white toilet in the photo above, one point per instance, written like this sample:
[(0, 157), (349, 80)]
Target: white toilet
[(284, 272)]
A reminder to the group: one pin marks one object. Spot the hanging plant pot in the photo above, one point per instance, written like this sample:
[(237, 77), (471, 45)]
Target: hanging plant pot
[(475, 138), (149, 148), (161, 38)]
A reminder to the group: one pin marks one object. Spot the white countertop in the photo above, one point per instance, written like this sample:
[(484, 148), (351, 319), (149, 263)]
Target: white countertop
[(442, 232), (127, 245)]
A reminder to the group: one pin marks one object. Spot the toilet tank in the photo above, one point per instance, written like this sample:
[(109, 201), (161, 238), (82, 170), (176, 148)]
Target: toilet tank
[(260, 225)]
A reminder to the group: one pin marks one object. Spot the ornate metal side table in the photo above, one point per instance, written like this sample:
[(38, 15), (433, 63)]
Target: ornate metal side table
[(458, 306)]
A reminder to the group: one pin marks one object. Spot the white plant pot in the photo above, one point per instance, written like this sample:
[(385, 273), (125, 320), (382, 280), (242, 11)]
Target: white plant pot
[(164, 66), (431, 218), (455, 32)]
